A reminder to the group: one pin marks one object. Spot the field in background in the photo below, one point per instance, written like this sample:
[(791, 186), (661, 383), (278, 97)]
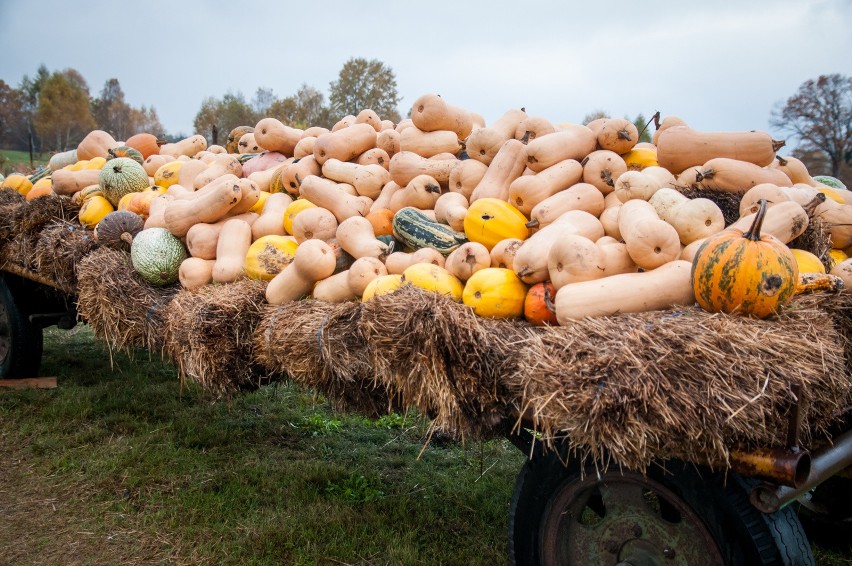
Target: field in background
[(12, 161), (122, 465)]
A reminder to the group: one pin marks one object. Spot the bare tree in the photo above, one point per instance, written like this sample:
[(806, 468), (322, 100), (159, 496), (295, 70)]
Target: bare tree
[(819, 115)]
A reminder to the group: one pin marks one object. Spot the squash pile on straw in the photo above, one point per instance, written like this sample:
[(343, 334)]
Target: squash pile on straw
[(479, 272)]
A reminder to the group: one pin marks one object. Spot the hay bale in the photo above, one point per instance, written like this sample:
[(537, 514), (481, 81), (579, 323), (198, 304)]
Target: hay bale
[(816, 239), (38, 212), (729, 203), (209, 335), (60, 247), (10, 202), (436, 355), (682, 383), (123, 309), (320, 345)]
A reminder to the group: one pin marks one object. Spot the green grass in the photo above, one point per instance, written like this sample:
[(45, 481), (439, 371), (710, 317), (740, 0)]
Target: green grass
[(122, 465), (12, 160)]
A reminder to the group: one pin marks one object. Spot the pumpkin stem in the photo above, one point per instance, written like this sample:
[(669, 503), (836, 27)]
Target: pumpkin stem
[(778, 144), (126, 237), (526, 139), (753, 233), (548, 300), (810, 208), (656, 120), (624, 135), (584, 161), (708, 174), (532, 223), (781, 161)]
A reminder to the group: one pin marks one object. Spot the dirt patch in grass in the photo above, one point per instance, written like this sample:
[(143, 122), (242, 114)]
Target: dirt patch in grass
[(55, 519)]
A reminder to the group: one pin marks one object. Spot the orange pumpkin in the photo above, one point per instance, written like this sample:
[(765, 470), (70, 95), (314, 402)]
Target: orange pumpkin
[(539, 309), (382, 221), (744, 273)]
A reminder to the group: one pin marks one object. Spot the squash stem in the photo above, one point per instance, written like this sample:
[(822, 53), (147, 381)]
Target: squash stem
[(532, 223), (548, 300), (753, 233), (778, 144)]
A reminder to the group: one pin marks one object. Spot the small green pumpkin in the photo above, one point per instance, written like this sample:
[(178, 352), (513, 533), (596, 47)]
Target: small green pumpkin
[(125, 151), (121, 176), (156, 256)]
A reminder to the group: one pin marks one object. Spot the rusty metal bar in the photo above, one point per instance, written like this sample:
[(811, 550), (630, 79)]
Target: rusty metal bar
[(776, 465), (825, 463)]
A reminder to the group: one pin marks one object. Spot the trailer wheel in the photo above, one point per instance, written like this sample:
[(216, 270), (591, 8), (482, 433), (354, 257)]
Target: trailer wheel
[(680, 515), (21, 341)]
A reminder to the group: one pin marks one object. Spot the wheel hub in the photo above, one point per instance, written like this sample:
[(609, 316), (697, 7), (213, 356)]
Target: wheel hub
[(623, 519)]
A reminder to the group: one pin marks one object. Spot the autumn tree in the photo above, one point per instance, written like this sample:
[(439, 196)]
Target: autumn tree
[(225, 114), (63, 115), (11, 116), (361, 85), (111, 112), (304, 109), (819, 115), (145, 119)]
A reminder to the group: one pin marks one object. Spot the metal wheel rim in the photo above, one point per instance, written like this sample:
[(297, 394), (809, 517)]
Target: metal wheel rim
[(633, 530), (5, 334)]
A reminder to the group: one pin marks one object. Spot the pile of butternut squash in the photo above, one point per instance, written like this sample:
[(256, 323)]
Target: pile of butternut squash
[(519, 218)]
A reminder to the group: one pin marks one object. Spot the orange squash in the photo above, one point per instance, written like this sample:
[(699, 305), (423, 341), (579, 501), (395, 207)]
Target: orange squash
[(539, 309), (747, 273)]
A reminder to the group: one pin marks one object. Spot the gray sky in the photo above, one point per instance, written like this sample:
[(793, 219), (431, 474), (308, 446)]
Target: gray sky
[(719, 65)]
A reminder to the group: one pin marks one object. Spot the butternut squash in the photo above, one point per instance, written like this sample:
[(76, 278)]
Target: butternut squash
[(96, 143), (466, 175), (362, 272), (189, 171), (384, 198), (732, 175), (690, 177), (432, 113), (618, 135), (667, 286), (334, 289), (769, 192), (503, 253), (421, 192), (231, 249), (483, 143), (154, 162), (357, 237), (843, 270), (222, 165), (507, 165), (344, 144), (786, 221), (530, 262), (271, 220), (211, 203), (601, 168), (324, 193), (581, 196), (467, 259), (651, 242), (693, 219), (527, 191), (398, 262), (157, 211), (615, 257), (389, 141), (574, 141), (273, 135), (609, 221), (668, 122), (795, 170), (305, 147), (635, 185), (839, 222), (572, 259), (292, 174), (689, 251), (314, 260), (680, 147), (375, 156), (427, 144), (251, 194), (533, 127), (314, 223), (187, 146), (67, 182), (368, 180), (450, 209), (406, 165), (194, 273)]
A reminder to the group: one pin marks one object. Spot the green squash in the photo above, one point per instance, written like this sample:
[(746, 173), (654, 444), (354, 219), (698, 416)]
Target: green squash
[(829, 181), (156, 255), (121, 176)]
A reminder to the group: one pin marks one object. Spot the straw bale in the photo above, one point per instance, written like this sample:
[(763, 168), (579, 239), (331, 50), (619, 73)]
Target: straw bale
[(436, 355), (816, 239), (682, 383), (320, 345), (209, 335), (60, 247), (10, 202), (122, 308), (39, 212)]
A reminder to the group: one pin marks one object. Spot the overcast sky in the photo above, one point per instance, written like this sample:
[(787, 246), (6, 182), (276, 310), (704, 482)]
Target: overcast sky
[(719, 65)]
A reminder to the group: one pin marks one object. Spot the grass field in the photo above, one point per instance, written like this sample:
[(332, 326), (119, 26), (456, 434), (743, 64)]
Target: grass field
[(120, 465), (12, 160)]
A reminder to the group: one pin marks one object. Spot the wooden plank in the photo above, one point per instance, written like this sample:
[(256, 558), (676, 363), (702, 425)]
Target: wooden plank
[(29, 383)]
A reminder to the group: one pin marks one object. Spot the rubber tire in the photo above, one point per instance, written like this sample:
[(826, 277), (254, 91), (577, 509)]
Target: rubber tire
[(744, 535), (27, 340)]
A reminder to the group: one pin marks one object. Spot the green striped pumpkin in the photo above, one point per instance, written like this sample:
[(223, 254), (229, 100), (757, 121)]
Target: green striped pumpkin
[(125, 151), (121, 176), (156, 256), (416, 230)]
